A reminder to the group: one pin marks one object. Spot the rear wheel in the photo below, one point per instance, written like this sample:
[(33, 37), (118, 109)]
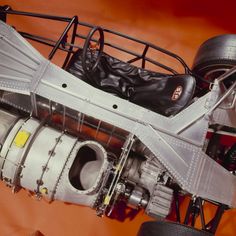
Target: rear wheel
[(214, 57), (165, 228)]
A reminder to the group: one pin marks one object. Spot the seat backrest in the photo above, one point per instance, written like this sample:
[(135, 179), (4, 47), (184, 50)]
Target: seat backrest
[(163, 93)]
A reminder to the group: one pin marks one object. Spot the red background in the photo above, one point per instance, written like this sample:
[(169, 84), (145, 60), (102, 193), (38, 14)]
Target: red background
[(180, 26)]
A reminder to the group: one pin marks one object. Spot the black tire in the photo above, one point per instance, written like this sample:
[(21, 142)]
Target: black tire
[(215, 56), (166, 228)]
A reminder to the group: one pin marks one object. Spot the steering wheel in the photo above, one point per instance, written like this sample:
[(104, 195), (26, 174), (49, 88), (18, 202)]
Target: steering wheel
[(92, 50)]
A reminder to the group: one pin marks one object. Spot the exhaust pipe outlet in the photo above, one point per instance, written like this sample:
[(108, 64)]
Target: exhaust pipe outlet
[(92, 168), (87, 165)]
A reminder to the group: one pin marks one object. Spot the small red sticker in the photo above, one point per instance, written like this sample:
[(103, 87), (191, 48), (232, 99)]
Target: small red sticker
[(176, 94)]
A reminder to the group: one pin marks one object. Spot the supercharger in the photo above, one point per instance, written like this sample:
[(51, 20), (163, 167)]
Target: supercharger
[(64, 139)]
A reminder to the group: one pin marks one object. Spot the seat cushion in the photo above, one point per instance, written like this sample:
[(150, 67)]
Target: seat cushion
[(159, 92)]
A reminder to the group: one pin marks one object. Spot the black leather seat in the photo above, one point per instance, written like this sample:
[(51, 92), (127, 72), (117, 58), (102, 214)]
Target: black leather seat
[(159, 92)]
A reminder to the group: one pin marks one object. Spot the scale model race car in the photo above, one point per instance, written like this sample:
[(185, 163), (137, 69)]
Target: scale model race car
[(104, 130)]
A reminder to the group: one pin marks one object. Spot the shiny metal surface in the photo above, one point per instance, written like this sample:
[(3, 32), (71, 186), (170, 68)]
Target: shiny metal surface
[(180, 152)]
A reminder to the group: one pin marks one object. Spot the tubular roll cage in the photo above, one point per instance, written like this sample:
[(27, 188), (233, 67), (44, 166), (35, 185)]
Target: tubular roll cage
[(74, 23)]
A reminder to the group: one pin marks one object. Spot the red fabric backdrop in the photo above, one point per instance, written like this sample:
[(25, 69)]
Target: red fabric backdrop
[(179, 26)]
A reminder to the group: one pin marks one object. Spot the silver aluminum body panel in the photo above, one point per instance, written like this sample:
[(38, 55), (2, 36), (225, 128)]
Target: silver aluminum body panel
[(176, 142), (19, 60)]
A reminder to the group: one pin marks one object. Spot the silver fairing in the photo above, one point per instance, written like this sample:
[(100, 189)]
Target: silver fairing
[(175, 142)]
